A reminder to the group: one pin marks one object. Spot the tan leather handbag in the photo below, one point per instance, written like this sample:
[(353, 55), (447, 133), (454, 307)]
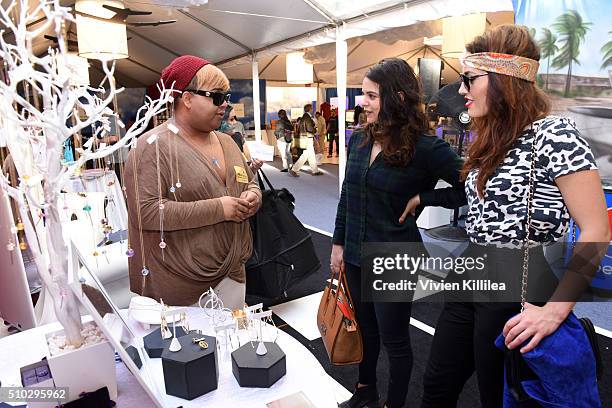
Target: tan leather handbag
[(337, 324)]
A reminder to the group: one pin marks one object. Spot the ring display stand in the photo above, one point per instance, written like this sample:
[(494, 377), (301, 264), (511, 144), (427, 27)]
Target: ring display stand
[(155, 345), (253, 370), (192, 371)]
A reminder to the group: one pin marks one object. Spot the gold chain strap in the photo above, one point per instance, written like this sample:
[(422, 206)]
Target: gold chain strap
[(528, 225)]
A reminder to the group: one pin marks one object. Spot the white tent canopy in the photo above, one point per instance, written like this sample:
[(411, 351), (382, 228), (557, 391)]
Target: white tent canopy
[(364, 51), (243, 36), (231, 32)]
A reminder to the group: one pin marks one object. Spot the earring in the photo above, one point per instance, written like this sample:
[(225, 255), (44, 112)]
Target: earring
[(165, 331), (242, 321), (270, 321), (184, 322)]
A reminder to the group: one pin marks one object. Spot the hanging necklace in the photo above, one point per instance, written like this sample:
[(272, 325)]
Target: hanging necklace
[(12, 176), (215, 161), (178, 175), (130, 252), (173, 186), (162, 243), (173, 148)]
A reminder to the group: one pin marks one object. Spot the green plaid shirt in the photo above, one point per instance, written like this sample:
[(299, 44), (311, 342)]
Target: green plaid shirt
[(373, 197)]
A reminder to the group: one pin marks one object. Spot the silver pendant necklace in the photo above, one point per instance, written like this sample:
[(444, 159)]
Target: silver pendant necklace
[(174, 129)]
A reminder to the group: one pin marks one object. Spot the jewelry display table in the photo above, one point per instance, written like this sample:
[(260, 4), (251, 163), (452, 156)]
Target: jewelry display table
[(304, 373)]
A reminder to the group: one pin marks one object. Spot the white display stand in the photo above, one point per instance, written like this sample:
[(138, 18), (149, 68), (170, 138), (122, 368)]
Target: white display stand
[(73, 369), (433, 217)]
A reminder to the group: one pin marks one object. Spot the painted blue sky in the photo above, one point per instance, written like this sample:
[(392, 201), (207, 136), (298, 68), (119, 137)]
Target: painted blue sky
[(543, 13)]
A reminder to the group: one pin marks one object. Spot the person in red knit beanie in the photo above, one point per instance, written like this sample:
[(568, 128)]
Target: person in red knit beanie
[(190, 194)]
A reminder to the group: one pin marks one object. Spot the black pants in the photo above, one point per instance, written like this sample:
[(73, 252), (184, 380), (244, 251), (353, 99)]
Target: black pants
[(389, 322), (463, 342), (466, 331), (332, 137)]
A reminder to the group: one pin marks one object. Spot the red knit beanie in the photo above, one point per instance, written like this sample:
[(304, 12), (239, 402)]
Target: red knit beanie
[(181, 71)]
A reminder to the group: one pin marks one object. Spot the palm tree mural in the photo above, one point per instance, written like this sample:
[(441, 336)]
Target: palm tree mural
[(532, 31), (548, 47), (607, 54), (571, 30)]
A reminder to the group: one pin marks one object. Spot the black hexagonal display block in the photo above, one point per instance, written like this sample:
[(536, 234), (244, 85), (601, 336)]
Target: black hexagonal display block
[(155, 345), (191, 371), (252, 370)]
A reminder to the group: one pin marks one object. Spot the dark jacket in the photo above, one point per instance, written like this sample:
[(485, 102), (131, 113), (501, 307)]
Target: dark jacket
[(374, 197), (307, 125), (284, 128)]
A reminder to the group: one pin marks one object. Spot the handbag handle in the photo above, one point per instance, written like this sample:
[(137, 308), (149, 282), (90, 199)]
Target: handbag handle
[(261, 184), (530, 195), (341, 282)]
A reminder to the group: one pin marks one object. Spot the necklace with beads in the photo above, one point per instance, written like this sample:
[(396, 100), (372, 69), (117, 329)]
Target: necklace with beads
[(130, 252)]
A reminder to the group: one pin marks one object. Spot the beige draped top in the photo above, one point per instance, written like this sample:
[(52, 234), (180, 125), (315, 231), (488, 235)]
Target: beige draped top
[(201, 248)]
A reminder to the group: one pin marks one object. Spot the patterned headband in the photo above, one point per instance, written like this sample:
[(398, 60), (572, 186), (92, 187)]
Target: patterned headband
[(505, 64)]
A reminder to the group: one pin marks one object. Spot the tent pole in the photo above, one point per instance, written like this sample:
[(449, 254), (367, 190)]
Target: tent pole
[(256, 113), (341, 67)]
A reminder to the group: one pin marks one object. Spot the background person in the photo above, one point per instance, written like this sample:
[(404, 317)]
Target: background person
[(321, 131), (307, 129), (388, 162), (235, 129), (284, 138), (237, 125), (332, 133)]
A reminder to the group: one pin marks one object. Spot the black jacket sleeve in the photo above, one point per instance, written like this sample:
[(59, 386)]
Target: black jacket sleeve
[(446, 165)]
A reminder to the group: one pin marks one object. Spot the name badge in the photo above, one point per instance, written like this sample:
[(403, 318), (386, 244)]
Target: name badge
[(241, 174)]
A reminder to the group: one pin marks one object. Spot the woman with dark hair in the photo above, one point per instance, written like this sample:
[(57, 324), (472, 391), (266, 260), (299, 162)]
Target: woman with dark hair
[(388, 161), (527, 172)]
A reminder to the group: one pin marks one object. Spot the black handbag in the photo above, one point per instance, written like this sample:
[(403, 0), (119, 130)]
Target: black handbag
[(516, 369), (283, 252)]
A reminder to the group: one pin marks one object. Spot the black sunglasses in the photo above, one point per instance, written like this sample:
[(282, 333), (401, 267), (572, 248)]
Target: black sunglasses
[(467, 80), (217, 97)]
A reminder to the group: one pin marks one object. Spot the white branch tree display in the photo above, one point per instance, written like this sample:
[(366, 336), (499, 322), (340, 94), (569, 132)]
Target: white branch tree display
[(35, 134)]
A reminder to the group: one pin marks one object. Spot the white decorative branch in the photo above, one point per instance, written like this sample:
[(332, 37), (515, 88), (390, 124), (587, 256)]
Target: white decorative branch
[(21, 121)]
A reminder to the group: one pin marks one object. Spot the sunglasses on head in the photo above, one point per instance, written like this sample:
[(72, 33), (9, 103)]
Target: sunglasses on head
[(217, 97), (467, 80)]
